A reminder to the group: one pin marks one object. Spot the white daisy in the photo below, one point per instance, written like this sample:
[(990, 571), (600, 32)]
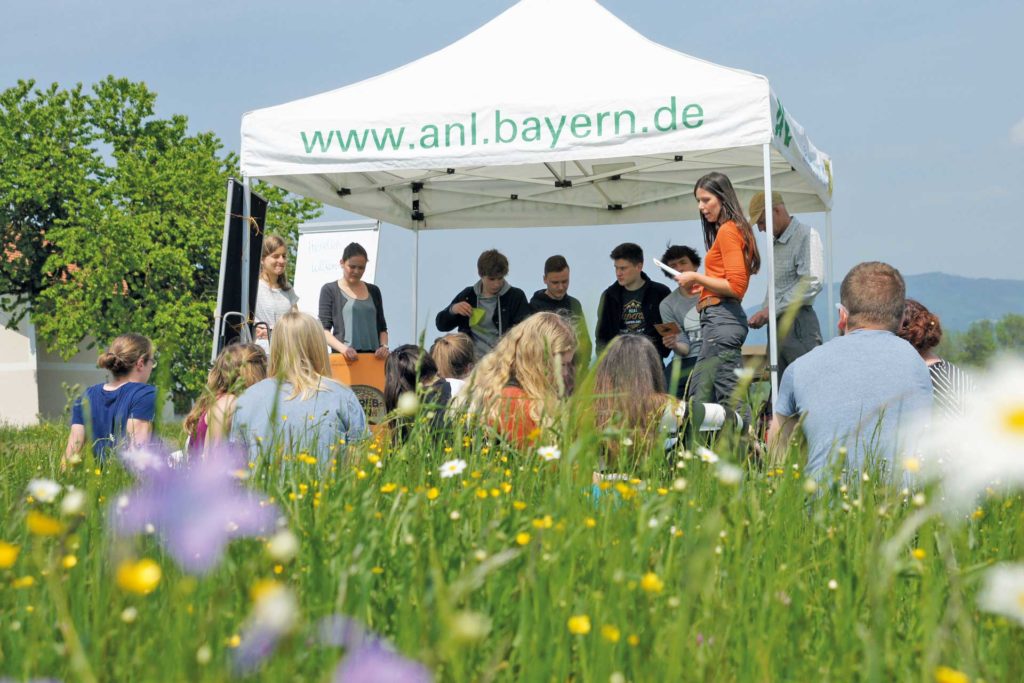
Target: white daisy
[(549, 453), (452, 468), (1003, 592), (44, 490), (707, 455)]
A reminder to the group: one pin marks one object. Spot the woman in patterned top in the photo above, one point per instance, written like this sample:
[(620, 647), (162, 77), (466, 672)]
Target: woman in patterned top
[(950, 384)]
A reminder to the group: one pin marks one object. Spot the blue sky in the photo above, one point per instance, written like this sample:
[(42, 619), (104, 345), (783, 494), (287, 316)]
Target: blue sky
[(920, 107)]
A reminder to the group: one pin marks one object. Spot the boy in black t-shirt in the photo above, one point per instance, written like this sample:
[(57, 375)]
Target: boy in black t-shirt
[(632, 304), (555, 298)]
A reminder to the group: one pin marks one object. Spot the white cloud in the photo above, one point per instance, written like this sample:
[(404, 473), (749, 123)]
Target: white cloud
[(1017, 133)]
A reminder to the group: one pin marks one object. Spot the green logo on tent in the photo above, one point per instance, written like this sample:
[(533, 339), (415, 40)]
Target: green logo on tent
[(782, 126)]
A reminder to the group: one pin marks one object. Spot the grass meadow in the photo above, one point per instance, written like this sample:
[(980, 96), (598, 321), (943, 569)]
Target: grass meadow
[(517, 569)]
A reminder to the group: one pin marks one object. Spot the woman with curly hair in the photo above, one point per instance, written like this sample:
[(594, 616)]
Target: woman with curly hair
[(519, 386), (950, 384), (237, 368)]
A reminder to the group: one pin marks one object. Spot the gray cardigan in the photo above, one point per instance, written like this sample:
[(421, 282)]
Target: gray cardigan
[(332, 302)]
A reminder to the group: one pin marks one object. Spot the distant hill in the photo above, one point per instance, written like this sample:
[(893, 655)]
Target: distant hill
[(958, 301)]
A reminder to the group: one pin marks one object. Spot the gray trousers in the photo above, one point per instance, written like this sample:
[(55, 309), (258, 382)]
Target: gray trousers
[(803, 336), (723, 329)]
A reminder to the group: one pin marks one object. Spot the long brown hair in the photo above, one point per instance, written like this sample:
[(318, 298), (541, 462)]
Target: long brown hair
[(719, 185), (272, 243), (237, 368), (629, 391)]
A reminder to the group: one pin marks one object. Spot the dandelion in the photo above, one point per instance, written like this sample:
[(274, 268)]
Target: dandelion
[(579, 624), (651, 583), (707, 455), (1003, 591), (522, 538), (44, 490), (8, 554), (72, 503), (452, 468), (549, 453), (140, 577), (43, 525), (611, 633), (283, 546)]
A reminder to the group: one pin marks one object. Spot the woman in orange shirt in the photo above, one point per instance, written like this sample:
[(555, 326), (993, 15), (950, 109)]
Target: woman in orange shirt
[(731, 259)]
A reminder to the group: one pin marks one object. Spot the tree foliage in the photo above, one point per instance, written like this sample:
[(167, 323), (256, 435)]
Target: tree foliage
[(112, 221), (984, 339)]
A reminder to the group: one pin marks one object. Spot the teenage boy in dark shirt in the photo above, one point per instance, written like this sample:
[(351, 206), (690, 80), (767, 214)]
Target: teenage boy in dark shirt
[(488, 309), (632, 304), (555, 298)]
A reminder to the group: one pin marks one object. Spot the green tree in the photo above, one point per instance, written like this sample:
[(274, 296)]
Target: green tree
[(978, 343), (1010, 333), (113, 220)]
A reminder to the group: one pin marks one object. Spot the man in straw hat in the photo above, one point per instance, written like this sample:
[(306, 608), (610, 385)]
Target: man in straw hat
[(799, 264)]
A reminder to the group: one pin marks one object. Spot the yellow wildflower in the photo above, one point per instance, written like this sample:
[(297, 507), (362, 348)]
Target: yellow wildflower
[(919, 553), (590, 522), (481, 494), (522, 538), (69, 561), (579, 624), (611, 633), (650, 583), (234, 641), (519, 505), (432, 493), (389, 487), (8, 554), (24, 582), (140, 577), (377, 570), (633, 639), (43, 525), (945, 674), (306, 458)]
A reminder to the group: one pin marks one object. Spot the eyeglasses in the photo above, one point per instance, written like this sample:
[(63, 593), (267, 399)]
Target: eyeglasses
[(152, 362)]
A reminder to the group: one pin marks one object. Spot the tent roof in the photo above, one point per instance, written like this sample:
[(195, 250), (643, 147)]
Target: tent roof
[(553, 113)]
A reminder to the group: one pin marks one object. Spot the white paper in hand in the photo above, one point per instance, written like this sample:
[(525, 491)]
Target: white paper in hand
[(671, 271)]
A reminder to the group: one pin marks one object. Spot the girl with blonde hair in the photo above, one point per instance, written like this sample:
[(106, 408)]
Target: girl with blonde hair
[(121, 410), (237, 368), (274, 295), (298, 406), (454, 355), (519, 386)]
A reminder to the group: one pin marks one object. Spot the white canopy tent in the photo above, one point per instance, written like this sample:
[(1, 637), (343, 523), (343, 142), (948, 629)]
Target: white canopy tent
[(555, 113)]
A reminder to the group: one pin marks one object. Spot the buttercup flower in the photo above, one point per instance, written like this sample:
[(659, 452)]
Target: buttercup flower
[(549, 453), (651, 583), (42, 525), (579, 624), (8, 554), (44, 490), (1003, 591), (452, 468), (140, 577)]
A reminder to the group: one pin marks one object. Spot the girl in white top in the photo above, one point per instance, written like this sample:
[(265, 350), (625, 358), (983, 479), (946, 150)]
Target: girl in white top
[(275, 295)]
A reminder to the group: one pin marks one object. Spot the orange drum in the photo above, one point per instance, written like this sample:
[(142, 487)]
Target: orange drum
[(366, 378)]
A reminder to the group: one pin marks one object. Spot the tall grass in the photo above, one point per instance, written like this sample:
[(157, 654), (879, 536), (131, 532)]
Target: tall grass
[(682, 577)]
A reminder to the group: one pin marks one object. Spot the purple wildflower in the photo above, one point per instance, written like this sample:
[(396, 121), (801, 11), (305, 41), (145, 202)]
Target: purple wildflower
[(375, 664), (195, 510)]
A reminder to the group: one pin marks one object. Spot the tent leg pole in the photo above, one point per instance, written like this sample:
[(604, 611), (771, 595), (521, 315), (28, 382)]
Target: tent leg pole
[(773, 347), (415, 283), (246, 217), (830, 276)]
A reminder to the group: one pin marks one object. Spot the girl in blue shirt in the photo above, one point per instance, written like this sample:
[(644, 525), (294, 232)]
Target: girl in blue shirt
[(121, 410)]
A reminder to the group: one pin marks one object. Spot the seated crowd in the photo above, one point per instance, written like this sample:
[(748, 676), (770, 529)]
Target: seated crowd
[(513, 364)]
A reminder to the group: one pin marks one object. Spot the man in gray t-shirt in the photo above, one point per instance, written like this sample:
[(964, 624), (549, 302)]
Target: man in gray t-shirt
[(680, 308), (866, 391)]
